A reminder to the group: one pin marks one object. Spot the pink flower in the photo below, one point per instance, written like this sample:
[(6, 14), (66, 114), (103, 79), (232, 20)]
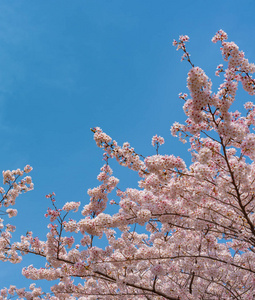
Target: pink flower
[(11, 212), (71, 206), (157, 140), (28, 169)]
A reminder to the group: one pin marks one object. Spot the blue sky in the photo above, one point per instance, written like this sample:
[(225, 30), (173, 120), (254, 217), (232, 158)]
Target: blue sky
[(67, 66)]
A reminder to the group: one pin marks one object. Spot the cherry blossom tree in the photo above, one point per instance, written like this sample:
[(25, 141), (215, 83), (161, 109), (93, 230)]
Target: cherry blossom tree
[(198, 236)]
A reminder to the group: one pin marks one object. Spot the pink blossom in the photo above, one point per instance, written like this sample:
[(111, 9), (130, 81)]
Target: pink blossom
[(157, 140), (28, 169), (71, 206), (11, 212)]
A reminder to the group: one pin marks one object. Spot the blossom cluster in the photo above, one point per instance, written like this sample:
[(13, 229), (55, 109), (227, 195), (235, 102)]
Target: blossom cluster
[(157, 140)]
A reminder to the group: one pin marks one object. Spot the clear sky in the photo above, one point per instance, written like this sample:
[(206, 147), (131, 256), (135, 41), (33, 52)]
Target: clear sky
[(67, 66)]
